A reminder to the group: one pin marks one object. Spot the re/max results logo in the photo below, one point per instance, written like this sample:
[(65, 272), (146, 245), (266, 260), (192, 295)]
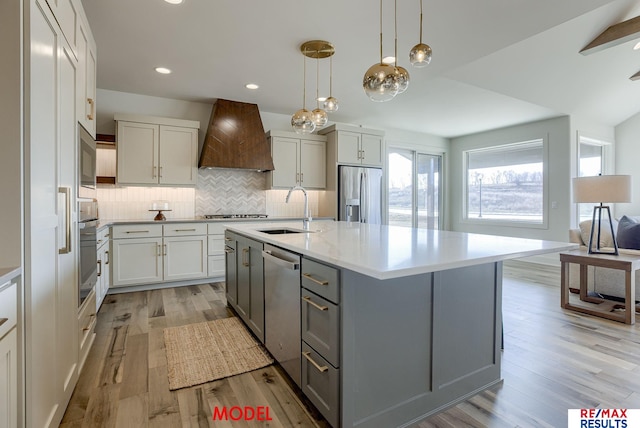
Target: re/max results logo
[(603, 418)]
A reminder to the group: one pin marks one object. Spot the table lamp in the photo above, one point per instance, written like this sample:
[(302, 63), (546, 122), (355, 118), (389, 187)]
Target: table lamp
[(600, 189)]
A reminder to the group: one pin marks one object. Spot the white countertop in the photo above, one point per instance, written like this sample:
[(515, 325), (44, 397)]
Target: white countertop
[(7, 274), (386, 252)]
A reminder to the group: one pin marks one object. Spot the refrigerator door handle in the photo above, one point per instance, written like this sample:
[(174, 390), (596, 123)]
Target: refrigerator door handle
[(363, 198)]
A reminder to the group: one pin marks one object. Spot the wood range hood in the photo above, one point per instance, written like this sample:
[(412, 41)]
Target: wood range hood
[(235, 138)]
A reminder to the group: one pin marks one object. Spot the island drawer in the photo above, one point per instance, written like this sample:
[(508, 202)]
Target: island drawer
[(321, 279), (185, 229), (321, 326), (137, 231), (321, 384)]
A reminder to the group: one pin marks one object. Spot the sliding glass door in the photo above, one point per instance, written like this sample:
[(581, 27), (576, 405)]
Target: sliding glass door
[(414, 189)]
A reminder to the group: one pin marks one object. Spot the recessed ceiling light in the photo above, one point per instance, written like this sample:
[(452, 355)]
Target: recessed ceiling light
[(173, 1), (163, 70), (389, 60), (637, 46), (251, 86)]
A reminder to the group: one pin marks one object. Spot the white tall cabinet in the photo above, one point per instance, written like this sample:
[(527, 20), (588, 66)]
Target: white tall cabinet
[(50, 259)]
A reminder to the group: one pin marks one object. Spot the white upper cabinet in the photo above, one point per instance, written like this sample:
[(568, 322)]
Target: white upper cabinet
[(152, 150), (356, 146), (297, 160), (86, 78)]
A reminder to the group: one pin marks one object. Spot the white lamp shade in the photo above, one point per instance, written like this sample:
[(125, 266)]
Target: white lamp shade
[(602, 188)]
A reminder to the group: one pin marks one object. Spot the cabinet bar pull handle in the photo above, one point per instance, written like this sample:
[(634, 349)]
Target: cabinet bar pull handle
[(137, 231), (93, 106), (106, 253), (66, 191), (314, 304), (3, 320), (362, 154), (317, 281), (320, 368), (159, 250), (245, 262), (100, 267), (154, 172), (359, 154), (229, 250), (228, 239), (184, 230), (165, 249), (301, 177), (160, 171)]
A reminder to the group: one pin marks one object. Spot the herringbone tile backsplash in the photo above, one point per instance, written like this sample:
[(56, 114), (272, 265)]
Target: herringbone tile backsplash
[(219, 191), (230, 191)]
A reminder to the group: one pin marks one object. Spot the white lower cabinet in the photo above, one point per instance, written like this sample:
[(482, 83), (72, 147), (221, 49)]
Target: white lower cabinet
[(136, 261), (9, 354), (185, 257), (9, 379), (166, 253)]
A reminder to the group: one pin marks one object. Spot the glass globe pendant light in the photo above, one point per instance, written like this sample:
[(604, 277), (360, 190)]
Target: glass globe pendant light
[(380, 82), (331, 104), (302, 120), (319, 116), (420, 55)]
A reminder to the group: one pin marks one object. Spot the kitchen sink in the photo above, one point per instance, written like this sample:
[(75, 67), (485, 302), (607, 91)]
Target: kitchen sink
[(283, 231)]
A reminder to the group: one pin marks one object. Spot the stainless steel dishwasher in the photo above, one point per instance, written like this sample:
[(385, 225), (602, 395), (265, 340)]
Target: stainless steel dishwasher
[(282, 308)]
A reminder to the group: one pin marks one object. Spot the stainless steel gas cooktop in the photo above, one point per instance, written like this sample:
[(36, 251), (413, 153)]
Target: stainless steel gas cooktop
[(214, 216)]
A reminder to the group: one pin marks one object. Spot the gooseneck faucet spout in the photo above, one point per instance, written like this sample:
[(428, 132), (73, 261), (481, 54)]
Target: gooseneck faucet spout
[(307, 219)]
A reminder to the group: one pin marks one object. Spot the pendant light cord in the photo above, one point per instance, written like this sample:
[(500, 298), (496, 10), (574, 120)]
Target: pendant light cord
[(380, 31), (317, 78), (304, 80), (331, 76), (420, 21), (395, 28)]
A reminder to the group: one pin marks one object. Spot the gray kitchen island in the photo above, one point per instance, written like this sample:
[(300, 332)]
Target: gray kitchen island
[(396, 324)]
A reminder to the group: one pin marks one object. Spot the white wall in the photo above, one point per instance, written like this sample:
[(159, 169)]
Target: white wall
[(557, 131), (627, 136)]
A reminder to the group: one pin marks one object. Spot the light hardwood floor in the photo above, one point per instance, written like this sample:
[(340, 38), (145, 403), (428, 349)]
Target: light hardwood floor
[(553, 360)]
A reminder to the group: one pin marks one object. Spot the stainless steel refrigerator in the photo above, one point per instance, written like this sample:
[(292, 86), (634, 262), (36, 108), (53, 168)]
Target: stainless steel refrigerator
[(360, 194)]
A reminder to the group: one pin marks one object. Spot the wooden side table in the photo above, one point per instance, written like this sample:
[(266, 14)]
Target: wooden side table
[(600, 307)]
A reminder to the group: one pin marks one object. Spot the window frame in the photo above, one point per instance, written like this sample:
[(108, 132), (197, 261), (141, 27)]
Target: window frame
[(606, 165), (414, 152), (544, 224)]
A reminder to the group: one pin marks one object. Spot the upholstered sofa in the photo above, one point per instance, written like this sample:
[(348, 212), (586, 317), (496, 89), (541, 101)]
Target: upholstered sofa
[(603, 281)]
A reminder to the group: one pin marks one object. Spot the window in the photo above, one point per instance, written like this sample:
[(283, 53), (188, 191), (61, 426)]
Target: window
[(414, 189), (591, 161), (506, 183)]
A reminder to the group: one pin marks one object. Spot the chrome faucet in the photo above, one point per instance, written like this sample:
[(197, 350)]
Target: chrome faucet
[(307, 219)]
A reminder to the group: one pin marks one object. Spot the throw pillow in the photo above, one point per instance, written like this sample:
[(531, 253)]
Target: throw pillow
[(606, 240), (628, 235)]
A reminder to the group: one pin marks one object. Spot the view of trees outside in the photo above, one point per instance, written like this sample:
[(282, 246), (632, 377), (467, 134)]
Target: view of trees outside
[(508, 192), (401, 188)]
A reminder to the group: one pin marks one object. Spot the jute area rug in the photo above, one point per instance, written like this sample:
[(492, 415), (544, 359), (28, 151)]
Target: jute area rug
[(207, 351)]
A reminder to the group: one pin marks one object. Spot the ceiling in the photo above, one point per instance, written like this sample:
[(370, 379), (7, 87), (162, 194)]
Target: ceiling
[(495, 62)]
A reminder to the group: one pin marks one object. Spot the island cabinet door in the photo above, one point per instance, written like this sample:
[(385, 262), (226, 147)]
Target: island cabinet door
[(466, 328), (321, 326)]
